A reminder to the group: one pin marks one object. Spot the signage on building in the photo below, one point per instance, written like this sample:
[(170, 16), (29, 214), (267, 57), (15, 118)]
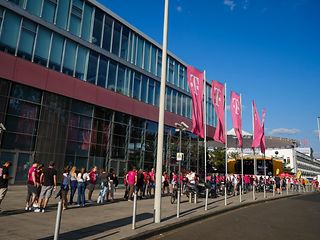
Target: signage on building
[(180, 156)]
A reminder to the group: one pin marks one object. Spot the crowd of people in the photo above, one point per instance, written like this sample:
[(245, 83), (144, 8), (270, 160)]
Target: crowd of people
[(42, 184)]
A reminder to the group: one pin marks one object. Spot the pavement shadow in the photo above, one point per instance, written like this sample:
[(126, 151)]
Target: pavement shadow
[(100, 228)]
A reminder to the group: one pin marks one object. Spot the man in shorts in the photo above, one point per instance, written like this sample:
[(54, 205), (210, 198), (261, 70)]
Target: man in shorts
[(49, 177), (4, 178), (31, 186)]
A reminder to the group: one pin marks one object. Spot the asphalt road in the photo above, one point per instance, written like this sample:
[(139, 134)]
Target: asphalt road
[(286, 219)]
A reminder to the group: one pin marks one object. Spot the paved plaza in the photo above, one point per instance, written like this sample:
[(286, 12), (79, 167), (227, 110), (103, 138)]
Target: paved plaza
[(111, 220)]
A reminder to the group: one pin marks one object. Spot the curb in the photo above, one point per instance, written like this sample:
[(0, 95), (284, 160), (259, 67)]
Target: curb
[(181, 223)]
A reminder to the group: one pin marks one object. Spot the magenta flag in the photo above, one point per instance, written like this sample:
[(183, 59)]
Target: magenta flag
[(218, 100), (195, 83), (258, 133), (236, 110)]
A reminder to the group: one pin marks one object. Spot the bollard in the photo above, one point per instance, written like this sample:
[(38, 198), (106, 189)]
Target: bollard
[(240, 193), (58, 221), (190, 197), (178, 204), (273, 190), (312, 189), (287, 190), (206, 204), (134, 210), (225, 196), (264, 191), (253, 193), (299, 188), (195, 198)]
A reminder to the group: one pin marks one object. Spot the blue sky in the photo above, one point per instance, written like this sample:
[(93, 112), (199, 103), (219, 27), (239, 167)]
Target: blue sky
[(267, 50)]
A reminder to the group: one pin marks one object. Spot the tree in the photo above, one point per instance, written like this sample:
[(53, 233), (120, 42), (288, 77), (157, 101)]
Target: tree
[(216, 159)]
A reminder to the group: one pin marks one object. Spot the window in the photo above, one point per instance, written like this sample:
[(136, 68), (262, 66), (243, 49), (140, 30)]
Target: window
[(121, 80), (82, 57), (146, 61), (183, 105), (34, 7), (133, 48), (170, 69), (18, 2), (102, 76), (150, 91), (11, 26), (42, 46), (63, 13), (174, 101), (182, 80), (92, 68), (75, 18), (112, 75), (1, 17), (176, 73), (179, 96), (27, 36), (107, 33), (49, 10), (153, 68), (136, 86), (116, 38), (144, 85), (168, 99), (139, 52), (56, 52), (97, 29), (159, 63), (124, 43), (86, 23), (157, 94), (69, 58)]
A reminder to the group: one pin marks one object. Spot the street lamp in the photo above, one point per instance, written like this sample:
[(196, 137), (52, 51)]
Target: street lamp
[(180, 127)]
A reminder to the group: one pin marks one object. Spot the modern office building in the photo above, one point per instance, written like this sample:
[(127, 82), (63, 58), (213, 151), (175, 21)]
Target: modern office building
[(80, 86)]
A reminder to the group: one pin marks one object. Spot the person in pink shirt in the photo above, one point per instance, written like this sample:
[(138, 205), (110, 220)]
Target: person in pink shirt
[(131, 181), (32, 186), (151, 182), (92, 182)]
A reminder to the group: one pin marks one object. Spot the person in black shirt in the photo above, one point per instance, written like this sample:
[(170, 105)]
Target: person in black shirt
[(49, 179), (4, 178)]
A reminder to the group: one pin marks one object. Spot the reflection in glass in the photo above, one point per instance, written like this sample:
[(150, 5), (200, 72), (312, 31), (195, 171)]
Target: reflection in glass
[(82, 57), (11, 26), (49, 10), (69, 58), (112, 75), (63, 13), (107, 33), (86, 23), (27, 36), (56, 52), (103, 66), (92, 68), (97, 29), (116, 38), (42, 46), (124, 43)]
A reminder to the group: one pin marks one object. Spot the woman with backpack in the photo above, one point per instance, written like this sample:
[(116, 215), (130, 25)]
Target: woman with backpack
[(65, 187), (73, 183)]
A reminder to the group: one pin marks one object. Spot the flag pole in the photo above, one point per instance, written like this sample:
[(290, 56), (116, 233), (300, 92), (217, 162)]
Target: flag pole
[(226, 142), (241, 147), (157, 197), (205, 137), (254, 157)]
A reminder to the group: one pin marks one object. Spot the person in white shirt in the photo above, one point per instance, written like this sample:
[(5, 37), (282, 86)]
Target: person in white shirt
[(82, 178)]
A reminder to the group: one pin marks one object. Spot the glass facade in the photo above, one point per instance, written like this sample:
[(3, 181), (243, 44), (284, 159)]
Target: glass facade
[(50, 127), (39, 44), (81, 40)]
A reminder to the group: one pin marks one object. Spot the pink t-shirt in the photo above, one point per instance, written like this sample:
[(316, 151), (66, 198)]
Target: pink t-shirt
[(151, 176), (131, 177), (30, 179)]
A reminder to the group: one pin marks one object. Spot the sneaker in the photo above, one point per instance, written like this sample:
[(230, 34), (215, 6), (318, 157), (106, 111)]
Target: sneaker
[(37, 210), (27, 209), (42, 210)]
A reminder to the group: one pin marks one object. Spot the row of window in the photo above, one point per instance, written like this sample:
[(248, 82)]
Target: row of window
[(83, 20)]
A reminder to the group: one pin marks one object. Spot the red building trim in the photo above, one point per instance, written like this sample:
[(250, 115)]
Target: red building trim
[(31, 74)]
